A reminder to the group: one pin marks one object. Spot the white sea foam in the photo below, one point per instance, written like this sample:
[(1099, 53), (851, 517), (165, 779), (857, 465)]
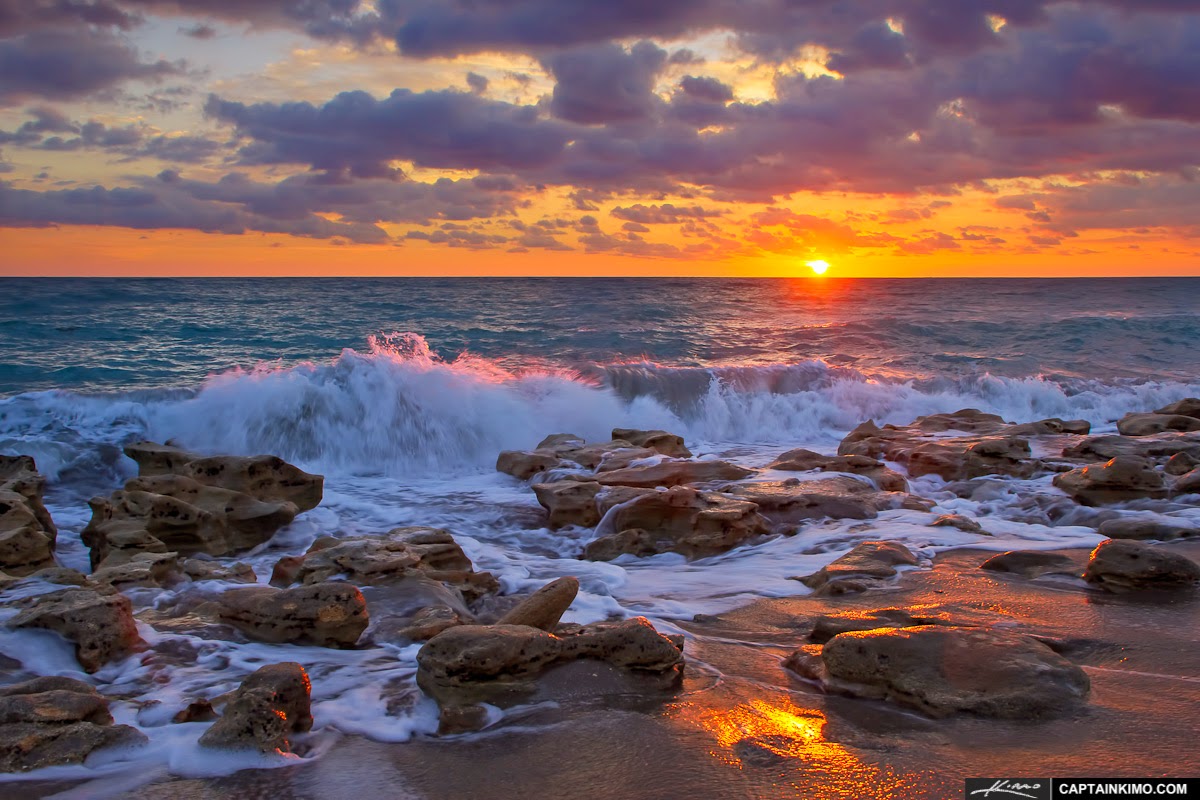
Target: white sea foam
[(407, 439)]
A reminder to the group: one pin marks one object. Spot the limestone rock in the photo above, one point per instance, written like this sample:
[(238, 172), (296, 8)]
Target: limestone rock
[(1149, 424), (1181, 464), (399, 554), (201, 570), (793, 500), (1143, 528), (330, 614), (144, 569), (673, 473), (159, 459), (1031, 563), (961, 460), (51, 721), (545, 607), (681, 520), (99, 622), (965, 524), (802, 460), (19, 474), (1121, 478), (262, 714), (666, 443), (1187, 407), (524, 464), (829, 625), (868, 560), (187, 504), (472, 654), (1122, 565), (942, 670), (1188, 483), (27, 533), (569, 502), (1156, 446)]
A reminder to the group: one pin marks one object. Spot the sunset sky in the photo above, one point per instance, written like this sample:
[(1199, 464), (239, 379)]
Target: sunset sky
[(599, 137)]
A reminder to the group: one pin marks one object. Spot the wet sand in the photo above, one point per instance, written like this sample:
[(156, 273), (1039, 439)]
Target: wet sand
[(740, 726)]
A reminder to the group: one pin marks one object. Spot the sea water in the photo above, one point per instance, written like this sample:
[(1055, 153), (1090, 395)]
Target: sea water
[(403, 391)]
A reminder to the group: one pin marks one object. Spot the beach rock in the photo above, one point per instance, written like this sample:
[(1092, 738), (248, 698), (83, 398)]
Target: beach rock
[(266, 478), (673, 473), (840, 497), (263, 713), (397, 555), (330, 614), (202, 570), (1149, 424), (52, 721), (1031, 563), (98, 621), (681, 520), (119, 541), (545, 607), (569, 502), (1051, 427), (623, 457), (524, 464), (1188, 483), (27, 533), (1121, 478), (19, 474), (471, 655), (561, 441), (829, 625), (428, 622), (1187, 407), (962, 459), (182, 516), (1122, 565), (25, 546), (660, 441), (159, 459), (802, 460), (965, 524), (186, 504), (1147, 528), (1156, 446), (868, 560), (1181, 464), (992, 446), (144, 569), (195, 711), (941, 670)]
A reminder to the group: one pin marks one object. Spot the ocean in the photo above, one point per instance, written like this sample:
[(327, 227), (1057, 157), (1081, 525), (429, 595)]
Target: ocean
[(403, 391)]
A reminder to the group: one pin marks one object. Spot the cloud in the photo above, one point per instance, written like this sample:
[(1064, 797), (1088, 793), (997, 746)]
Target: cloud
[(60, 65), (358, 134), (605, 83), (660, 214)]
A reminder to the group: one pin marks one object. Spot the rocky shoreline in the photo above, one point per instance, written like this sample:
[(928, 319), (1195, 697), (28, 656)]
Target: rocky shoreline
[(185, 518)]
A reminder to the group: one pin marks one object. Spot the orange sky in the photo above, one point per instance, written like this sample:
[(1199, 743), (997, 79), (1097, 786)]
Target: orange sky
[(260, 141)]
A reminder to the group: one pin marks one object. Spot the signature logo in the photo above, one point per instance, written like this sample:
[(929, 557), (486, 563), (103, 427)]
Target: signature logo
[(1013, 788)]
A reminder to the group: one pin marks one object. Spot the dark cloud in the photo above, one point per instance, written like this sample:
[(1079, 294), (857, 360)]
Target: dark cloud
[(60, 65), (358, 134), (164, 206), (605, 83), (662, 214), (199, 31), (706, 89)]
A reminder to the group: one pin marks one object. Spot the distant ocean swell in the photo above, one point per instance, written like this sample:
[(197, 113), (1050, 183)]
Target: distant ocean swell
[(398, 409)]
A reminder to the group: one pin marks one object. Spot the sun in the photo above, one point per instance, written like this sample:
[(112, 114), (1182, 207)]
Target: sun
[(818, 267)]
